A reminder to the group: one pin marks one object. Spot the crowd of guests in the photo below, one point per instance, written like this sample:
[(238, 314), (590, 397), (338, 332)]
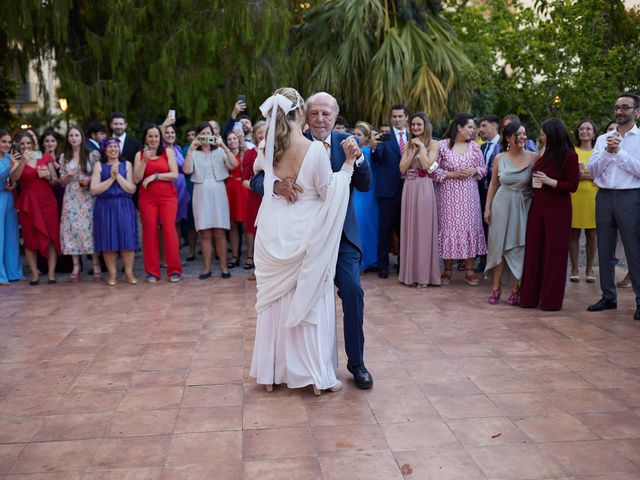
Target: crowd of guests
[(484, 198)]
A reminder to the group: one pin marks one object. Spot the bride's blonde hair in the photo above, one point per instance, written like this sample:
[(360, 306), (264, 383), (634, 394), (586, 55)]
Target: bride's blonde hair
[(283, 128)]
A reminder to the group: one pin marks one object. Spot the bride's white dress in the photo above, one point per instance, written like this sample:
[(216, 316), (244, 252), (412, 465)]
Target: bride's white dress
[(296, 249)]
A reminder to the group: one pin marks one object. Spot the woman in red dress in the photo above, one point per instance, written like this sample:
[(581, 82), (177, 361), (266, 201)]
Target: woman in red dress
[(253, 199), (37, 206), (555, 177), (237, 195), (155, 168)]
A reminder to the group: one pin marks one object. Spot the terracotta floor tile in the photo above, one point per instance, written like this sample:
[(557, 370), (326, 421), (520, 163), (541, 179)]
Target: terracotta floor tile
[(527, 404), (629, 448), (150, 473), (480, 432), (88, 402), (589, 458), (435, 386), (151, 398), (145, 422), (465, 406), (360, 467), (402, 409), (511, 462), (209, 419), (165, 362), (33, 405), (278, 443), (281, 469), (630, 397), (418, 435), (205, 448), (131, 452), (215, 376), (274, 413), (211, 395), (447, 463), (340, 413), (612, 425), (55, 456), (102, 381), (556, 428), (218, 471), (18, 429), (8, 455), (159, 378), (73, 427), (585, 401), (349, 440)]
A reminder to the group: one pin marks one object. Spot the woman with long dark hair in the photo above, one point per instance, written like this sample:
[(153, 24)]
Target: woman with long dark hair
[(460, 232), (420, 263), (76, 223), (555, 176), (155, 169), (10, 267), (583, 202)]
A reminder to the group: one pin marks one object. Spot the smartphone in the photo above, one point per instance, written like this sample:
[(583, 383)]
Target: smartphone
[(172, 113), (384, 137), (35, 154), (242, 98), (16, 148)]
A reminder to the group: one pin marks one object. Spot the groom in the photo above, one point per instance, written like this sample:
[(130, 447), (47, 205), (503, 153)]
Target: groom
[(322, 110)]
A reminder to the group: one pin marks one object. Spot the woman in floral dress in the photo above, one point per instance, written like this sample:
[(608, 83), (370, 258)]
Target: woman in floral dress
[(460, 233), (76, 224)]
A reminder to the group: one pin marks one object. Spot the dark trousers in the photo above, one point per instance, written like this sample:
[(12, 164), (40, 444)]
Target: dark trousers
[(483, 203), (389, 211), (350, 292), (618, 211)]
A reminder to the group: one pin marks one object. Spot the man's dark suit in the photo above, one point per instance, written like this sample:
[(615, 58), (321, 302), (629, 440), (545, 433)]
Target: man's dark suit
[(389, 193), (90, 146), (130, 148), (349, 253), (483, 183)]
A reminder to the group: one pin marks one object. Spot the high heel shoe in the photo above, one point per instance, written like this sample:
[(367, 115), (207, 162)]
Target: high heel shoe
[(131, 280), (111, 283), (316, 391), (494, 298), (97, 274), (514, 299), (269, 388), (74, 277), (235, 261)]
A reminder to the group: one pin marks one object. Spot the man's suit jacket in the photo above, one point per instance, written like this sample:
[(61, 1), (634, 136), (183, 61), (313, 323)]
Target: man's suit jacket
[(90, 146), (484, 181), (387, 157), (361, 180), (131, 147)]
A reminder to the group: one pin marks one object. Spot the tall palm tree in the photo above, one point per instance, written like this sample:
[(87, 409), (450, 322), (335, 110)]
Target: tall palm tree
[(373, 53)]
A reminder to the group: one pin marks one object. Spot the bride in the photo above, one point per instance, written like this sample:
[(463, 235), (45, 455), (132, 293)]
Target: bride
[(296, 249)]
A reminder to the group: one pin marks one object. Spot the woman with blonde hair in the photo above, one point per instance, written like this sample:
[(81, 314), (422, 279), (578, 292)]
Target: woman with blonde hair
[(296, 249), (365, 204)]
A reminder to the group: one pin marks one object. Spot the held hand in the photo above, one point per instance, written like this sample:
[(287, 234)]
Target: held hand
[(487, 217), (44, 173), (237, 108), (288, 189), (543, 178), (9, 185), (416, 142), (469, 172), (114, 169), (195, 144), (15, 157), (147, 181), (219, 141), (613, 143), (351, 150)]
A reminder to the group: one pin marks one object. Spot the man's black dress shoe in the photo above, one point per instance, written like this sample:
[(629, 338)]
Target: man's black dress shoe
[(361, 376), (603, 304), (636, 316), (383, 273)]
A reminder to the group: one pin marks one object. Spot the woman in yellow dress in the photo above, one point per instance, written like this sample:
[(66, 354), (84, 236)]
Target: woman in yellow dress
[(583, 202)]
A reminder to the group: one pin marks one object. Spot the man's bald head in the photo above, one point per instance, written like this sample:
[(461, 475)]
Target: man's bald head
[(322, 110)]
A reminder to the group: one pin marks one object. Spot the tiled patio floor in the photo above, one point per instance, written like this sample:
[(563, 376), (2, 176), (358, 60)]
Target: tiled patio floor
[(150, 382)]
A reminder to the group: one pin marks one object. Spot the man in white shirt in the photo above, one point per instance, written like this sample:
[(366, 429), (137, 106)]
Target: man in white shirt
[(615, 168)]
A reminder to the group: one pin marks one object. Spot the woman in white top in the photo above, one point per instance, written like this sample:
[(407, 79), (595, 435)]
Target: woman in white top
[(296, 249), (208, 161)]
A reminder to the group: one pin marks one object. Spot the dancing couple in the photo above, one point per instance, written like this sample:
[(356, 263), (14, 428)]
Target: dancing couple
[(307, 239)]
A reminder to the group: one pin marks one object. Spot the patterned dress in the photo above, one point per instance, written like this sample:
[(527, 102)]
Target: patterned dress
[(460, 234), (76, 224)]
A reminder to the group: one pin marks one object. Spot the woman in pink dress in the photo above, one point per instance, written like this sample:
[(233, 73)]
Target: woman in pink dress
[(419, 215), (459, 214)]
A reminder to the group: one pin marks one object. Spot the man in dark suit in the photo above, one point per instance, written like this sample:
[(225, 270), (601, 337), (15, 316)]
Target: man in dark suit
[(96, 132), (129, 146), (321, 111), (488, 132), (389, 187)]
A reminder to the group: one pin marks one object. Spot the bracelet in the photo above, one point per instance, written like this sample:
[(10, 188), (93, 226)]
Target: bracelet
[(156, 176)]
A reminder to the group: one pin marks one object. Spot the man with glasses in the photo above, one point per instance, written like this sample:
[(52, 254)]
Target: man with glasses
[(615, 168)]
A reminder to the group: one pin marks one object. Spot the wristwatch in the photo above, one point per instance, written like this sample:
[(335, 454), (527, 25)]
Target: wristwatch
[(156, 176)]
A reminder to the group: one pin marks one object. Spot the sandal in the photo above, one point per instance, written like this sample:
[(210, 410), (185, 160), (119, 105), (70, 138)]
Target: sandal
[(471, 279), (248, 263), (74, 277), (235, 261), (97, 274), (575, 277), (514, 299), (590, 277), (445, 278), (494, 298)]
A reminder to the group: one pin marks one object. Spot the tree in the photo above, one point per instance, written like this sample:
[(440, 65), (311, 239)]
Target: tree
[(373, 53), (567, 58), (143, 58)]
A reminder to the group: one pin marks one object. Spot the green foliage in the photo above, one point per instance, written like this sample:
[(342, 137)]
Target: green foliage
[(567, 58), (373, 53)]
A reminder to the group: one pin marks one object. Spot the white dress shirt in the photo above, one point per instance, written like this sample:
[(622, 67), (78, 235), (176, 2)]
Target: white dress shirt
[(621, 170), (493, 144), (121, 139)]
